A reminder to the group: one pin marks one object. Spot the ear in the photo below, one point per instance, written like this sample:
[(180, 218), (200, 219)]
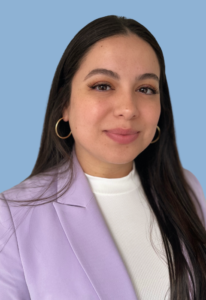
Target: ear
[(65, 114)]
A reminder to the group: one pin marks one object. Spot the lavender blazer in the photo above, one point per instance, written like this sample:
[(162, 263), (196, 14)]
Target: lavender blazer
[(63, 250)]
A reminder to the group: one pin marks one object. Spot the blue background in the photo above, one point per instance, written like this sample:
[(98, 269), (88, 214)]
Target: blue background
[(34, 35)]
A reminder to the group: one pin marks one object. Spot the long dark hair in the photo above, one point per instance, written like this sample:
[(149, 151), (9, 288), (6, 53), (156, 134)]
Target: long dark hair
[(168, 193)]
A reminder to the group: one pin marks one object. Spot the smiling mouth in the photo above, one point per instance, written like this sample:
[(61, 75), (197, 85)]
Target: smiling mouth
[(123, 131), (122, 138)]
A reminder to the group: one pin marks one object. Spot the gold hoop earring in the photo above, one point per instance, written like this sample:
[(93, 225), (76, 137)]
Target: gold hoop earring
[(56, 126), (157, 137)]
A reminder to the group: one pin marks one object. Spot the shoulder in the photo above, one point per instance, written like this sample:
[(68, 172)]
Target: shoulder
[(32, 188), (17, 203), (194, 183), (198, 192)]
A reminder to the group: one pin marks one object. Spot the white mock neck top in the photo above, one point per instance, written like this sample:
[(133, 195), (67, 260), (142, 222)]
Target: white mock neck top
[(127, 214)]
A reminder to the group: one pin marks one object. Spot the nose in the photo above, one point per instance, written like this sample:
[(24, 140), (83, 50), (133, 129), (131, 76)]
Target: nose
[(126, 106)]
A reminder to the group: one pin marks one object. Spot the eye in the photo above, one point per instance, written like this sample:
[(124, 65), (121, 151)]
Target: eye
[(101, 87), (147, 90)]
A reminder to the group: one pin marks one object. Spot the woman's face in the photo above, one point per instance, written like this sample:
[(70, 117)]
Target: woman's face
[(125, 94)]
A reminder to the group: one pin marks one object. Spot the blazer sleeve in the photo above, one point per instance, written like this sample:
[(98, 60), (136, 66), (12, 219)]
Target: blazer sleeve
[(198, 191), (12, 281)]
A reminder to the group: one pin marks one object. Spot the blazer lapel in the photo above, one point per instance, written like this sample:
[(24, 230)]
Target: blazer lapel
[(90, 238)]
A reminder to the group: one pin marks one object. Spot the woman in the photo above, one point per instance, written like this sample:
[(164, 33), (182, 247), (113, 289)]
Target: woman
[(79, 227)]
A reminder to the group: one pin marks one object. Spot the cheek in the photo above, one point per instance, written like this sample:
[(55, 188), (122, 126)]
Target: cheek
[(151, 113), (86, 115)]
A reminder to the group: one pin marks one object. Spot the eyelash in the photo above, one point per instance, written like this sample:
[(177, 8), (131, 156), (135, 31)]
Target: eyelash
[(105, 85)]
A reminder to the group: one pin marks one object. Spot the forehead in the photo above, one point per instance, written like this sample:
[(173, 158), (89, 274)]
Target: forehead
[(122, 53)]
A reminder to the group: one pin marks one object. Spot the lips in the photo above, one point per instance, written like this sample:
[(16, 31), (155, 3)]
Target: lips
[(122, 131), (122, 138)]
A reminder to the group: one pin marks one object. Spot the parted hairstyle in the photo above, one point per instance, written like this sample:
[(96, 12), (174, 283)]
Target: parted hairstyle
[(168, 193)]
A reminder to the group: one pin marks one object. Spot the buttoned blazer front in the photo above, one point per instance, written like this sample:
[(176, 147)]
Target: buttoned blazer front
[(63, 249)]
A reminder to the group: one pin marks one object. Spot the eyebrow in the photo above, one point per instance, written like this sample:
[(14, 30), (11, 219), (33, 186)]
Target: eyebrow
[(114, 75)]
